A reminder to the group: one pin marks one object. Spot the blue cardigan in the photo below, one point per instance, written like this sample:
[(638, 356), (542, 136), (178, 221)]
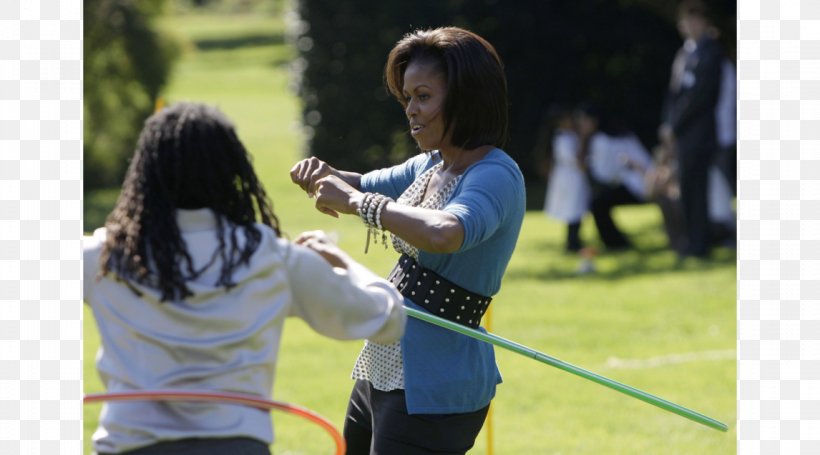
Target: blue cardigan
[(446, 372)]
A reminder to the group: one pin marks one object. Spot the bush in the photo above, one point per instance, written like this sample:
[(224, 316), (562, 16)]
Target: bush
[(126, 63), (228, 6)]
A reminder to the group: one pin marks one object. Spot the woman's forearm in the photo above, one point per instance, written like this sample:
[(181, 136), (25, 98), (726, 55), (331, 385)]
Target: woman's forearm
[(353, 179), (433, 231)]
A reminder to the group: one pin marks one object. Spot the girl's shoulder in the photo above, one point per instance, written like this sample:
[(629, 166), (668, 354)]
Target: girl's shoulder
[(93, 243), (566, 139), (272, 242)]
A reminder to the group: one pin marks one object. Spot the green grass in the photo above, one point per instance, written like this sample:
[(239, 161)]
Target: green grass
[(638, 305)]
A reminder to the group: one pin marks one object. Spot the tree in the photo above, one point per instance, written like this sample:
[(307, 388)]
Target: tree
[(126, 63)]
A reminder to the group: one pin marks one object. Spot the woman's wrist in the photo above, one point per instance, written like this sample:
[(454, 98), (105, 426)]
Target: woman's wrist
[(353, 179), (370, 207), (357, 202)]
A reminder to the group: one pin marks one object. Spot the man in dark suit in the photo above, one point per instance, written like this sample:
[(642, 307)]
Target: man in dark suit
[(688, 118)]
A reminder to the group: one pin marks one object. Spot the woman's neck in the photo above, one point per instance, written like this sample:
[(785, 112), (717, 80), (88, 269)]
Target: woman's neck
[(456, 160)]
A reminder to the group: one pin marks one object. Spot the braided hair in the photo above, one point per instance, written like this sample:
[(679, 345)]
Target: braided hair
[(188, 156)]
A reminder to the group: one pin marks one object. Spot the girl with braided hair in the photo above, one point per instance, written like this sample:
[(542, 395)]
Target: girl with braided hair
[(190, 282)]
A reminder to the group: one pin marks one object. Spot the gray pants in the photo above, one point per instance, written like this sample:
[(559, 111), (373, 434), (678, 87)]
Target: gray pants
[(203, 446)]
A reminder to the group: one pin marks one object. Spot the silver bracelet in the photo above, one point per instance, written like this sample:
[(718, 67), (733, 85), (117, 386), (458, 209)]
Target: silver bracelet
[(366, 201), (371, 209), (382, 204)]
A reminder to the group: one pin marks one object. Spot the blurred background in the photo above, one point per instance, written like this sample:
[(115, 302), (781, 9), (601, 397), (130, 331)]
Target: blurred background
[(304, 77), (614, 53)]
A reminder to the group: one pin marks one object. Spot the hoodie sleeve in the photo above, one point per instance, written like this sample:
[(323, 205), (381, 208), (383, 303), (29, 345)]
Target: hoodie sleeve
[(344, 304)]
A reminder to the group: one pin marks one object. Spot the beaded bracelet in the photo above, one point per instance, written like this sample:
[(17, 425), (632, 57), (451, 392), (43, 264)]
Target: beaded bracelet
[(364, 208), (366, 200), (370, 211), (382, 203)]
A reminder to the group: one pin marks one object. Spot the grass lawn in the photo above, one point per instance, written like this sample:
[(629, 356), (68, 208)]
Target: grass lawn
[(641, 319)]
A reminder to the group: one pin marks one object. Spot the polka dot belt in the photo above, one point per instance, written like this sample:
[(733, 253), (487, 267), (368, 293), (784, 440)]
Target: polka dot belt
[(436, 294)]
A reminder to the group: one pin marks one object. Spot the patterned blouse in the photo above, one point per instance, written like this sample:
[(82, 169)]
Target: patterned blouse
[(381, 364)]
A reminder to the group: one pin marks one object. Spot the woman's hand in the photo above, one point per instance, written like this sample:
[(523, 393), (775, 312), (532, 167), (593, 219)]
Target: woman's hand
[(321, 243), (307, 172), (334, 196)]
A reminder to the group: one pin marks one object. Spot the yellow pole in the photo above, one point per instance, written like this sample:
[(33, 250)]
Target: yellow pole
[(159, 104), (488, 324)]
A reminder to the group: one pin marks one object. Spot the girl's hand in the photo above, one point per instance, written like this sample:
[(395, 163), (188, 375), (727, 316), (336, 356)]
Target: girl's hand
[(321, 243), (307, 172), (334, 196)]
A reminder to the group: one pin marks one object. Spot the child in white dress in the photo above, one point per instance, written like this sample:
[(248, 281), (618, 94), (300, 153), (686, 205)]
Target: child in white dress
[(568, 191)]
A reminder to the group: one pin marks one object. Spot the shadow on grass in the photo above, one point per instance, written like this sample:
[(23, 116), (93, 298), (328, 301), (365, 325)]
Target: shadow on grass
[(267, 39), (649, 260)]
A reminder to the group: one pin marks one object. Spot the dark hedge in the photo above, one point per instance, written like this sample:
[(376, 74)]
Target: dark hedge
[(616, 54)]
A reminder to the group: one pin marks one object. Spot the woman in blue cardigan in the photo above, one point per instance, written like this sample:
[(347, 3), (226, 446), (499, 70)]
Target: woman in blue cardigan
[(454, 213)]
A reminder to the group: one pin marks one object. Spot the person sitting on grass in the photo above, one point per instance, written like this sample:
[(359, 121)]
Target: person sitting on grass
[(190, 283), (607, 146)]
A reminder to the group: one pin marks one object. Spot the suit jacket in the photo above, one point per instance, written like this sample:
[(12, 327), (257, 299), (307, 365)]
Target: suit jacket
[(689, 107)]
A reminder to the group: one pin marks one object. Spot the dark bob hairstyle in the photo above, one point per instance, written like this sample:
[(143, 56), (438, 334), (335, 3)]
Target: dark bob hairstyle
[(476, 103)]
